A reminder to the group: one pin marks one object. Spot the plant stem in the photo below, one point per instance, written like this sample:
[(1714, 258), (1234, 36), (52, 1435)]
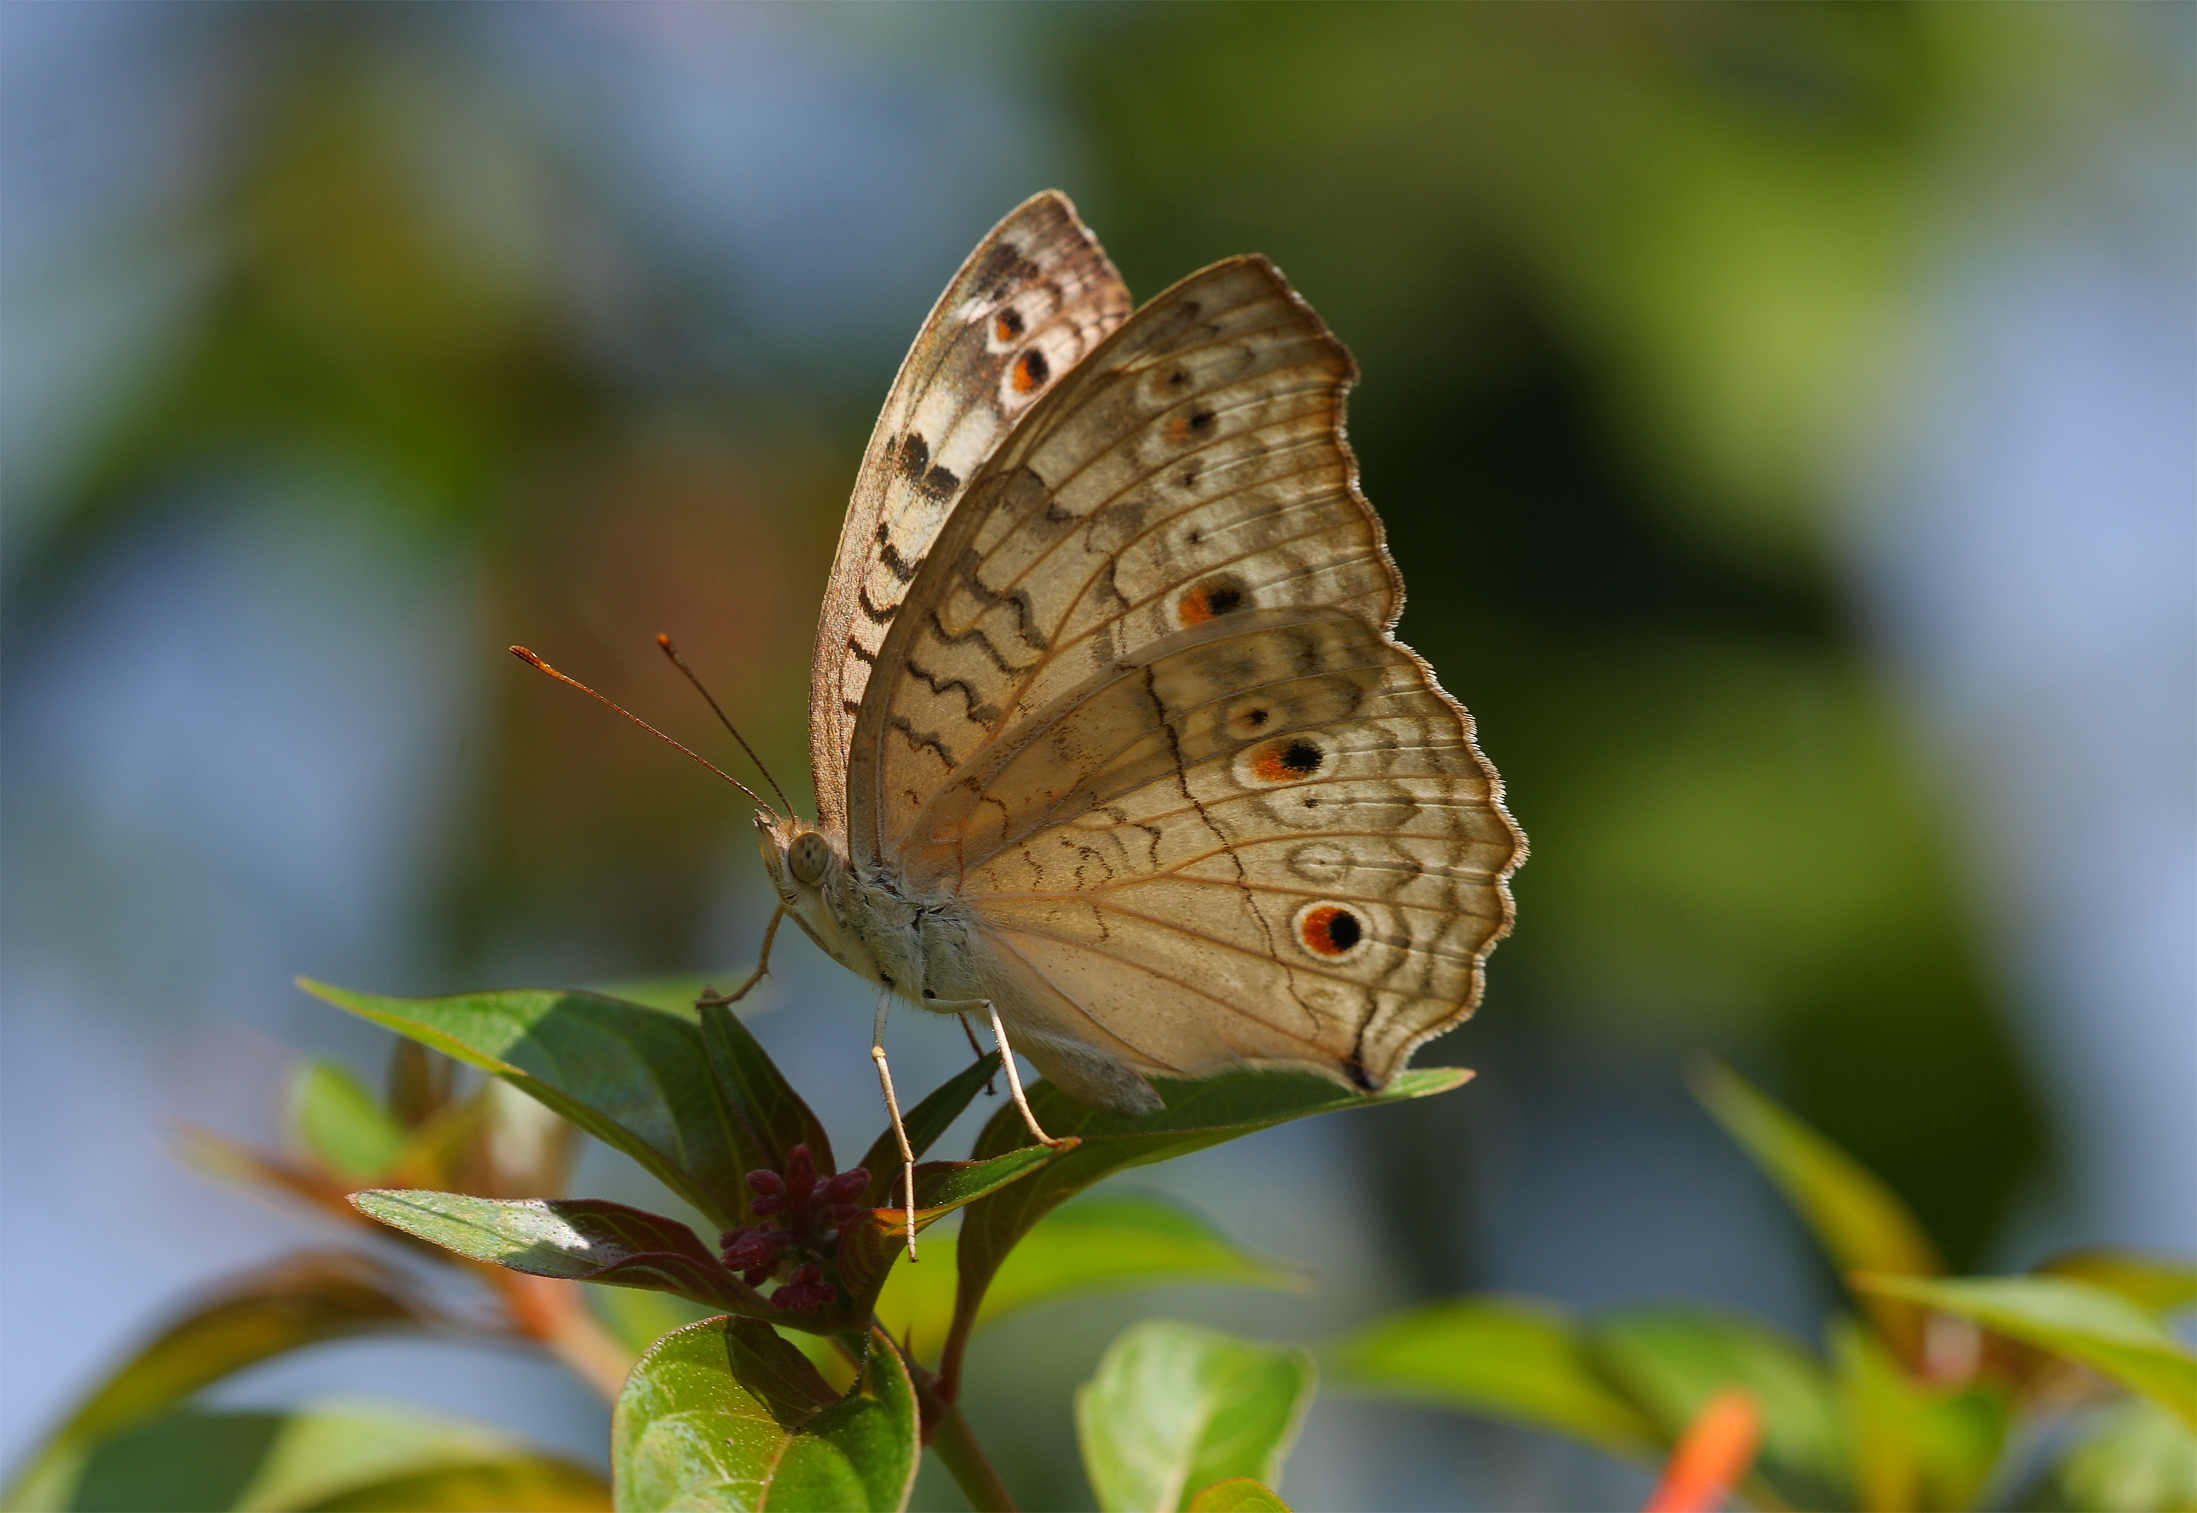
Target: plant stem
[(958, 1450)]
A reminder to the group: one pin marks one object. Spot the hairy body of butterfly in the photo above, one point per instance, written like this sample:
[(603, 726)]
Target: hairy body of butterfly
[(1110, 737)]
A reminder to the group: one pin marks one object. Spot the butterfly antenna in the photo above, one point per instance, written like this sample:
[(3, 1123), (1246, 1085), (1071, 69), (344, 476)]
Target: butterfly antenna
[(680, 662), (539, 665)]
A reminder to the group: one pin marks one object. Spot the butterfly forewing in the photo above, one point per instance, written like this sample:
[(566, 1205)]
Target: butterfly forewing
[(1026, 307), (1145, 717)]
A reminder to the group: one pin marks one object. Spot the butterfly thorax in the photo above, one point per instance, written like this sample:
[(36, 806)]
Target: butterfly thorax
[(865, 918)]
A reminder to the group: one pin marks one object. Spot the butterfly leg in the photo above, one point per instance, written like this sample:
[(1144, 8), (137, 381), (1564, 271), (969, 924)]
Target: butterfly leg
[(975, 1050), (892, 1108), (762, 967), (1014, 1078)]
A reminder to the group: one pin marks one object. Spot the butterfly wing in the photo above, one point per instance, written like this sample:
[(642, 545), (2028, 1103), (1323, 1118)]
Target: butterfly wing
[(1146, 719), (1036, 295)]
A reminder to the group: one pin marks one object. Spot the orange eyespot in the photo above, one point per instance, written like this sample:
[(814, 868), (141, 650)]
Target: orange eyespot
[(1007, 325), (1222, 595), (1287, 761), (1030, 372), (1329, 930)]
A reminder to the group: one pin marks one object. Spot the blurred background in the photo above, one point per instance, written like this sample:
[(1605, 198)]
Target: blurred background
[(1782, 417)]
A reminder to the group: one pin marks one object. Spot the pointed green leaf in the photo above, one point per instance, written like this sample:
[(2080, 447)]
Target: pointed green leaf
[(342, 1123), (924, 1123), (1670, 1361), (771, 1114), (1091, 1245), (2086, 1324), (1195, 1115), (726, 1415), (1174, 1408), (1238, 1494), (2139, 1459), (301, 1300), (636, 1078), (2157, 1284), (1916, 1448), (1860, 1223), (1507, 1358), (573, 1239)]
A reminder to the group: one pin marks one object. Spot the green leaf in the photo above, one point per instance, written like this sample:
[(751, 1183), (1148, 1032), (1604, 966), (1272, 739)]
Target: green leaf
[(1238, 1494), (726, 1415), (342, 1123), (301, 1300), (634, 1077), (332, 1455), (1859, 1222), (1670, 1361), (2140, 1459), (924, 1123), (1175, 1407), (2158, 1284), (772, 1115), (1916, 1448), (573, 1239), (1195, 1115), (1508, 1358), (2084, 1323), (1091, 1245)]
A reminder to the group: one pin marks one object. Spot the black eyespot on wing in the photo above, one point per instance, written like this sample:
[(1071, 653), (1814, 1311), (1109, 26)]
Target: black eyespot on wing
[(1254, 718), (1031, 371), (1202, 421), (1302, 758), (1008, 323)]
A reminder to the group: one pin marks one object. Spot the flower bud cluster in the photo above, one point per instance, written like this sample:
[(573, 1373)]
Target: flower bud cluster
[(811, 1211)]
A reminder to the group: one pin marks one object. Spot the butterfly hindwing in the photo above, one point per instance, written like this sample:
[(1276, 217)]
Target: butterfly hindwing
[(1031, 301), (1145, 717)]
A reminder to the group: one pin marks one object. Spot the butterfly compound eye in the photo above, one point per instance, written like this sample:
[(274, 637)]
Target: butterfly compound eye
[(807, 858)]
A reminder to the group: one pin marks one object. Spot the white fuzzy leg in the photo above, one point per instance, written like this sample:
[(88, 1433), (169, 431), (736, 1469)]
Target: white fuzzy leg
[(892, 1108), (1006, 1059)]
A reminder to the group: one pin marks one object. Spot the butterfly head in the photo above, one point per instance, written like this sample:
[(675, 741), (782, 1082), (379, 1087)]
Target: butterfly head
[(801, 861)]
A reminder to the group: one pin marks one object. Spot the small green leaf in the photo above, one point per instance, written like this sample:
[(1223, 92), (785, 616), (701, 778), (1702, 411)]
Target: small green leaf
[(1508, 1358), (1238, 1494), (1860, 1223), (924, 1123), (2084, 1323), (332, 1455), (2140, 1459), (2158, 1284), (1195, 1115), (1091, 1245), (573, 1239), (1916, 1448), (1175, 1407), (1670, 1361), (634, 1077), (772, 1115), (342, 1123), (726, 1415), (301, 1300)]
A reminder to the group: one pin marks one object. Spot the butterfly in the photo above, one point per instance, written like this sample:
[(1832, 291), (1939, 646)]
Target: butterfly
[(1112, 746)]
